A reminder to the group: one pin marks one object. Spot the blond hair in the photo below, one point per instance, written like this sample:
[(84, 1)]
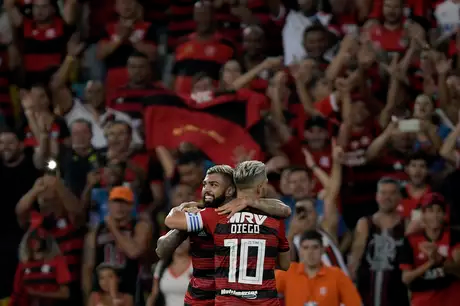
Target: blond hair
[(249, 174), (25, 253)]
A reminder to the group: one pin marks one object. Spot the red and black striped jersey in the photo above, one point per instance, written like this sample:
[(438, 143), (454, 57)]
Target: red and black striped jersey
[(70, 240), (41, 275), (202, 289), (132, 100), (194, 56), (361, 177), (58, 131), (246, 248), (413, 256), (180, 21), (44, 47), (6, 107)]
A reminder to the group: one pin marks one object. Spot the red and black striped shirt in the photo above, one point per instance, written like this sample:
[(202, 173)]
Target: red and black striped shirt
[(194, 56), (59, 131), (246, 248), (132, 100), (361, 177), (6, 108), (181, 21), (44, 47), (70, 240), (202, 289), (41, 275), (413, 256)]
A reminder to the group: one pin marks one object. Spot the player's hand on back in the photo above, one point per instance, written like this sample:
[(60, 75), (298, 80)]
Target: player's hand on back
[(185, 205), (192, 209), (233, 207)]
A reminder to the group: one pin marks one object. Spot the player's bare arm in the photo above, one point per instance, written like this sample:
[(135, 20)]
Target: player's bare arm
[(359, 244), (330, 221), (184, 221), (168, 243), (284, 260), (272, 207)]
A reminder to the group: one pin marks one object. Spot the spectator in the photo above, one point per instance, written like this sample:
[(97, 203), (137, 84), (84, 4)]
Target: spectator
[(306, 218), (45, 37), (109, 295), (10, 63), (190, 170), (312, 282), (42, 276), (81, 158), (429, 255), (205, 51), (63, 217), (100, 14), (94, 111), (377, 242), (300, 187), (113, 176), (17, 176), (122, 38), (388, 37), (417, 186), (120, 240), (171, 278), (43, 130), (130, 97), (297, 22)]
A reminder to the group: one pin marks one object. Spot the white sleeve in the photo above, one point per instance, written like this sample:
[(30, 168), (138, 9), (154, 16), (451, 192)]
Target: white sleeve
[(194, 222)]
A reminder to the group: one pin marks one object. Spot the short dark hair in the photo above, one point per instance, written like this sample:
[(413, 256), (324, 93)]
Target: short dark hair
[(389, 180), (139, 54), (103, 266), (191, 157), (84, 121), (121, 122), (419, 155), (316, 27), (312, 235), (300, 169)]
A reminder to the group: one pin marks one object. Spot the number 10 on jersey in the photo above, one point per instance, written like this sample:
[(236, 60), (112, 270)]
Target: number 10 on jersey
[(244, 245)]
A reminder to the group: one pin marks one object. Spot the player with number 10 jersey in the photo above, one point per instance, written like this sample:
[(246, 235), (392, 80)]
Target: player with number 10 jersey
[(247, 246)]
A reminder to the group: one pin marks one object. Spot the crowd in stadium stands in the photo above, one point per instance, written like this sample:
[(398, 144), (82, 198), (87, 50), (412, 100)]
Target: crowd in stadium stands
[(118, 118)]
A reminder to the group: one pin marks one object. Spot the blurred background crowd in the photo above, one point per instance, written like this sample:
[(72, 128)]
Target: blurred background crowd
[(111, 109)]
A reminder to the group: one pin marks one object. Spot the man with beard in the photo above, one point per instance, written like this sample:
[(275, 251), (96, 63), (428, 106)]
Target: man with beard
[(17, 176), (218, 189), (378, 239)]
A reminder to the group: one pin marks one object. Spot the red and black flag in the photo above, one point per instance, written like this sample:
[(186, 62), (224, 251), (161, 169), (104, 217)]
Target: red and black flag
[(217, 129)]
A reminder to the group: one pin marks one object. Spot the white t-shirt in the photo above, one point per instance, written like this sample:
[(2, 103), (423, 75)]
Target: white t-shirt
[(296, 23), (80, 111), (173, 286), (447, 16)]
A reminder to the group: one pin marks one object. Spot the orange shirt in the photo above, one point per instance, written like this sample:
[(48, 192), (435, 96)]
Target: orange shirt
[(330, 287)]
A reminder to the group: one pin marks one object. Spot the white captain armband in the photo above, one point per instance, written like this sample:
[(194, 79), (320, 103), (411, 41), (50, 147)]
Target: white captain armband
[(194, 222)]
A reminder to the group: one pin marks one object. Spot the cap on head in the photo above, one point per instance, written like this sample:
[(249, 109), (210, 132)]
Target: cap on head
[(431, 199), (121, 193)]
